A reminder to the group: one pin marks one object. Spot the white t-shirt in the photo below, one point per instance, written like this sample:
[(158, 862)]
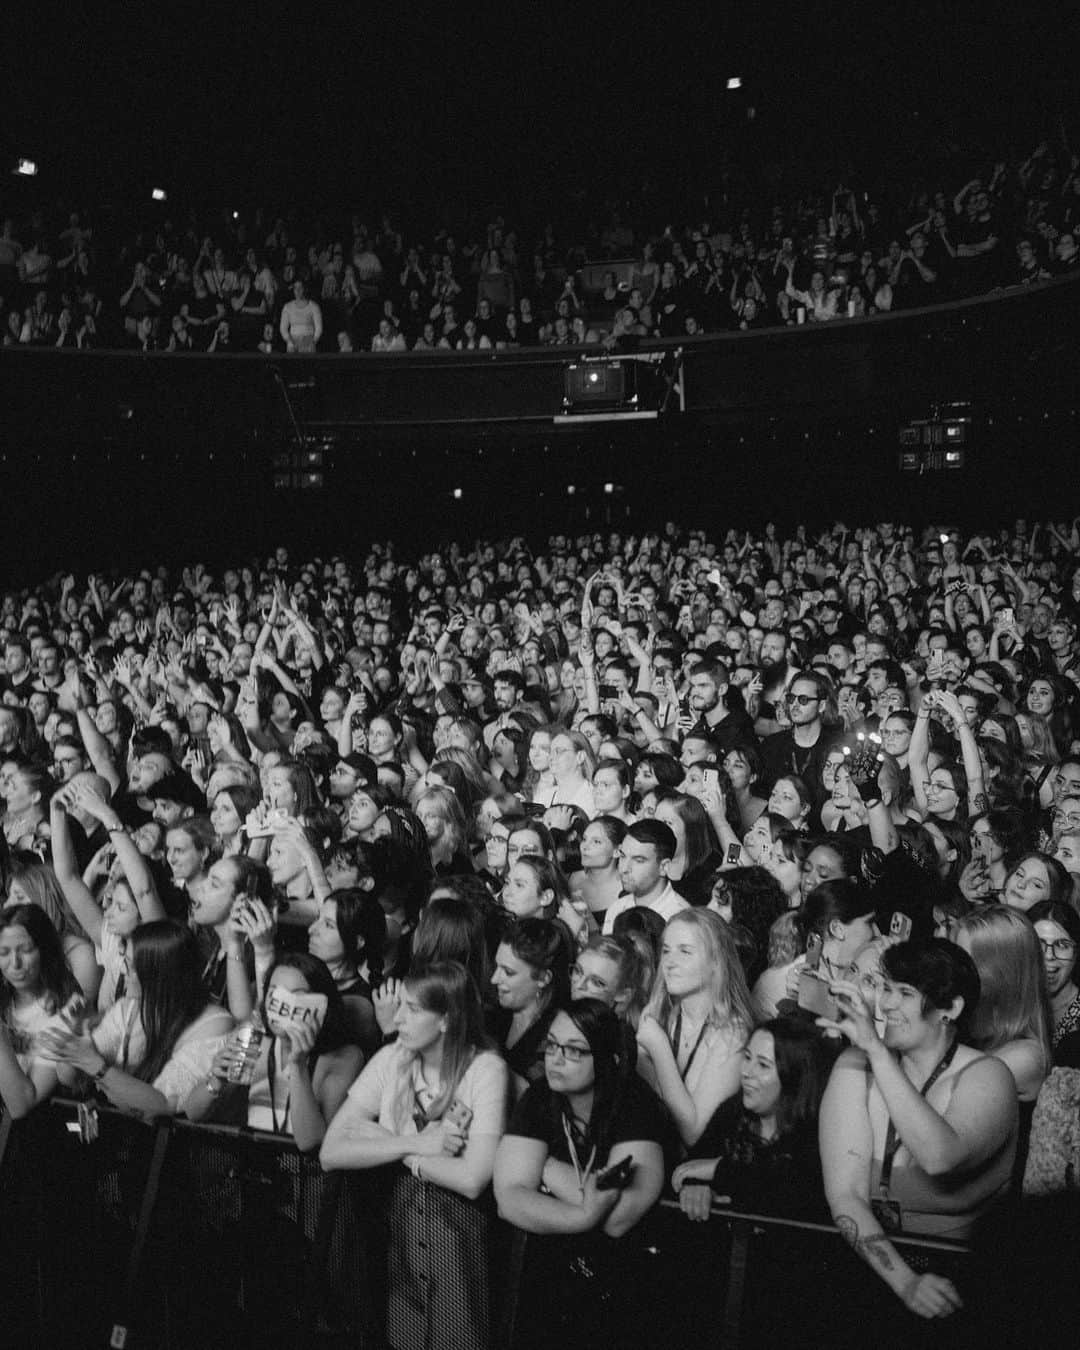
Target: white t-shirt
[(483, 1089), (667, 904), (582, 797), (24, 1024), (121, 1040)]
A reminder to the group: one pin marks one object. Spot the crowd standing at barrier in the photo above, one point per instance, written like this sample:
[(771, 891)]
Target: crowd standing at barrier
[(542, 882), (263, 282)]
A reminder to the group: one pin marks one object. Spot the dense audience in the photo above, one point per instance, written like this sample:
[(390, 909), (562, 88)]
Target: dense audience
[(268, 283), (577, 874)]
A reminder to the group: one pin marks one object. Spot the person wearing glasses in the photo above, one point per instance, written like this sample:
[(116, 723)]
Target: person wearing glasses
[(802, 749), (1057, 927), (589, 1113), (942, 788)]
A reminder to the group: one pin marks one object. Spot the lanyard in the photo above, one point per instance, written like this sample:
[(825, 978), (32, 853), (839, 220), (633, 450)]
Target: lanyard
[(676, 1039), (283, 1128), (582, 1177), (892, 1139)]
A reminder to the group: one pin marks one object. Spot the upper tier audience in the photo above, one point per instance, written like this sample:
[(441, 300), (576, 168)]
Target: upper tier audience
[(264, 282)]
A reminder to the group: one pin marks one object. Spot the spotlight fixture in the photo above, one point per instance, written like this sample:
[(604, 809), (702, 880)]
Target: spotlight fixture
[(27, 168)]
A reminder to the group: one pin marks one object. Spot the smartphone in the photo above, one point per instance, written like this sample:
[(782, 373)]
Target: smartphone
[(608, 691), (1005, 617), (710, 778), (900, 926), (734, 853), (615, 1177), (814, 993)]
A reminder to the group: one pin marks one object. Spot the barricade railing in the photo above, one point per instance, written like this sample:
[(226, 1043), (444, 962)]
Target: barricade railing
[(161, 1233)]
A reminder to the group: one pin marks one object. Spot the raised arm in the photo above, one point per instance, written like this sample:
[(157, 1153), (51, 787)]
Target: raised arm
[(690, 1110), (846, 1158)]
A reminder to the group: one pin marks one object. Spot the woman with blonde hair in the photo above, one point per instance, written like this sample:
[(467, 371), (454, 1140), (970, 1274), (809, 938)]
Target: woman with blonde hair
[(573, 764), (697, 1020), (434, 1102), (1012, 1018), (443, 818)]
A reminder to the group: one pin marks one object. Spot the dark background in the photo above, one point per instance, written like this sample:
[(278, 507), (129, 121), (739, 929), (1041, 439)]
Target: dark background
[(436, 109)]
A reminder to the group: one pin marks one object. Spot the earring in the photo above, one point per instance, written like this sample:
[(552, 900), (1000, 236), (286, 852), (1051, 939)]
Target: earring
[(945, 1019)]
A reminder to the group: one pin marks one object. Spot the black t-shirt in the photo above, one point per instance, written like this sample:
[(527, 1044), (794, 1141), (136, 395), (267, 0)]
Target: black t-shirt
[(781, 757), (538, 1116), (526, 1056)]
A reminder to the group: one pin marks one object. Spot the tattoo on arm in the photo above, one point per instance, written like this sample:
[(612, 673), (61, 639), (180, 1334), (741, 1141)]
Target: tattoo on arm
[(874, 1249), (849, 1229)]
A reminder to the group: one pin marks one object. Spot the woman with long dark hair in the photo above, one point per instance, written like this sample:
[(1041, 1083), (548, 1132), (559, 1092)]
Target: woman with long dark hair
[(35, 983), (531, 979), (350, 936), (153, 1050), (589, 1113), (770, 1158), (306, 1063), (432, 1105)]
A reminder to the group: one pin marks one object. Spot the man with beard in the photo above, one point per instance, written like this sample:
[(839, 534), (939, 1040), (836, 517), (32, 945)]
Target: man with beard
[(718, 709), (801, 749), (508, 691), (775, 672)]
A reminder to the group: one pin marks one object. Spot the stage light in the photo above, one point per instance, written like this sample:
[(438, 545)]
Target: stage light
[(457, 494), (570, 489), (609, 488), (158, 194), (27, 168), (734, 82)]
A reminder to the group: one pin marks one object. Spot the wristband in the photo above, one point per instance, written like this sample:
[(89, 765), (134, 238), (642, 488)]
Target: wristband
[(868, 802), (116, 829), (213, 1086), (99, 1076)]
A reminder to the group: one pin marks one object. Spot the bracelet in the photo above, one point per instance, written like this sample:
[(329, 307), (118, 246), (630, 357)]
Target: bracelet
[(116, 829), (232, 956), (213, 1086)]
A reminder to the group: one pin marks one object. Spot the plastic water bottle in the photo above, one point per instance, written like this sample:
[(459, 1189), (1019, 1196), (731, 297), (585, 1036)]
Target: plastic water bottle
[(249, 1039)]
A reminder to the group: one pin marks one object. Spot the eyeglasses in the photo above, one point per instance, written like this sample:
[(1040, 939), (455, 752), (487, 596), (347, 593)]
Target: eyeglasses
[(930, 786), (573, 1054), (886, 734), (803, 699), (1060, 949)]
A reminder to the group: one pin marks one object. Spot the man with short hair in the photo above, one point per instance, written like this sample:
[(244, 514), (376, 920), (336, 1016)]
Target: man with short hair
[(508, 688), (644, 858), (68, 758), (803, 748), (724, 726)]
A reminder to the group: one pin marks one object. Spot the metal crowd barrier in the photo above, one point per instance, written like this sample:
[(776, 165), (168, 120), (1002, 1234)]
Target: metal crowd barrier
[(165, 1234)]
